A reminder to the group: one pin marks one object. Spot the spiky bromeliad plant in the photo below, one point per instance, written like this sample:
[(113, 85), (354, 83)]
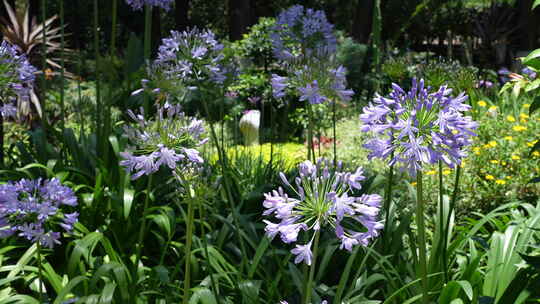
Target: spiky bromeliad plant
[(22, 30)]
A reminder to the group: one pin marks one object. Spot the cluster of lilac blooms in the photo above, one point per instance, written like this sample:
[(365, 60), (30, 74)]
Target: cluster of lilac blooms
[(530, 73), (192, 56), (301, 32), (323, 198), (316, 84), (17, 77), (33, 208), (484, 84), (139, 4), (169, 140), (419, 126), (303, 40)]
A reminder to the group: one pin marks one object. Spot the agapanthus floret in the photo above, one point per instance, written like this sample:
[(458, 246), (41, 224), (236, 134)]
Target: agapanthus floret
[(17, 76), (301, 32), (316, 82), (418, 127), (192, 56), (139, 4), (323, 198), (33, 208), (169, 139)]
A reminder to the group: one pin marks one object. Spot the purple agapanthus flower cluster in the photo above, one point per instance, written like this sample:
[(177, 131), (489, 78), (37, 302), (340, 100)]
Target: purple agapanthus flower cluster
[(484, 84), (170, 140), (316, 84), (301, 32), (304, 42), (192, 56), (530, 73), (17, 77), (33, 208), (323, 198), (418, 126), (139, 4)]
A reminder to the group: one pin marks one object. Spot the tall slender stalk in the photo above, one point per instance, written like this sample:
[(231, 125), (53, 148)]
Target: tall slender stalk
[(312, 268), (99, 107), (62, 64), (388, 200), (311, 150), (272, 125), (203, 219), (44, 63), (334, 133), (147, 46), (421, 237), (143, 224), (449, 215), (113, 26), (442, 244), (223, 163), (40, 272), (189, 238)]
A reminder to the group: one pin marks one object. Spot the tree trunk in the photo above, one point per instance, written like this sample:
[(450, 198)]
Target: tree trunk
[(181, 15), (239, 16), (362, 22)]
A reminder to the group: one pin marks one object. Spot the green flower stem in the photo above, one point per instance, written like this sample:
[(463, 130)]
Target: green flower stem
[(113, 26), (312, 268), (62, 64), (206, 255), (388, 200), (142, 230), (450, 210), (40, 273), (421, 237), (99, 107), (311, 150), (44, 63), (442, 231), (189, 238), (334, 133), (147, 46), (222, 161)]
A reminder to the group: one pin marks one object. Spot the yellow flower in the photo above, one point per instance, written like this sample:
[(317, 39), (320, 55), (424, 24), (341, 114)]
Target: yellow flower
[(532, 143), (500, 182), (494, 161), (493, 108), (503, 163), (490, 177), (536, 153), (526, 105), (413, 184), (492, 144), (476, 150), (524, 116), (510, 118), (482, 103), (446, 171), (431, 172), (508, 138), (515, 157), (519, 128), (509, 177)]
